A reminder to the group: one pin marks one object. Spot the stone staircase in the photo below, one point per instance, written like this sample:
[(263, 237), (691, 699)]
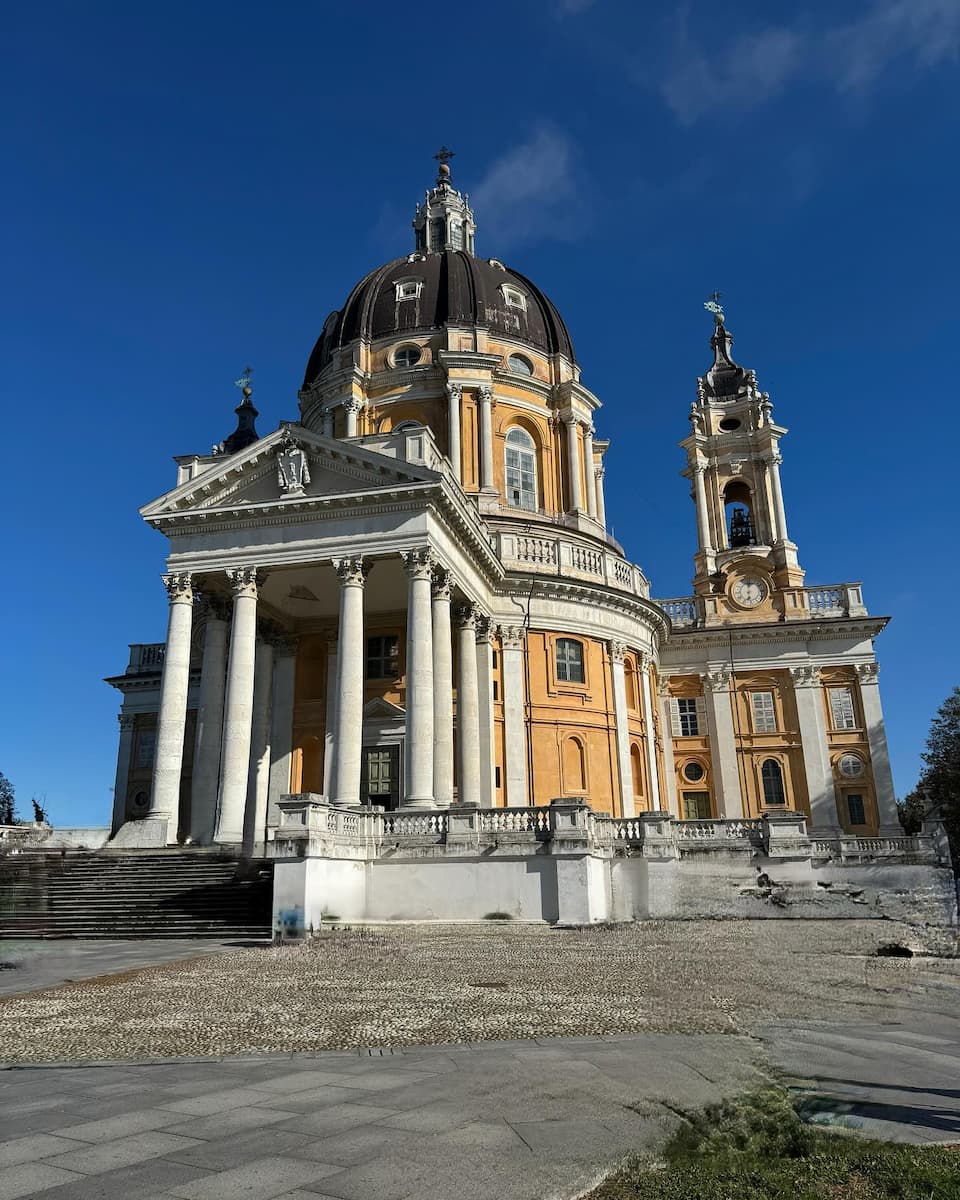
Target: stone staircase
[(154, 894)]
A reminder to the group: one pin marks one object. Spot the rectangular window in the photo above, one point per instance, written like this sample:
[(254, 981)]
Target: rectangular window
[(841, 708), (383, 657), (379, 775), (696, 806), (688, 716), (456, 235), (569, 661), (496, 775), (438, 234), (856, 812), (764, 712), (496, 690), (146, 744)]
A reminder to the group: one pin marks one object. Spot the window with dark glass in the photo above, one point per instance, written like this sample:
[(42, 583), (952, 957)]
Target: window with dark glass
[(772, 778), (456, 235), (438, 234), (688, 715), (696, 806), (383, 657), (521, 468), (856, 811), (406, 356), (570, 660)]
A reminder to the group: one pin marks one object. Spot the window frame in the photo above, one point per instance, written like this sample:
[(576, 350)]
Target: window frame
[(834, 694), (404, 349), (768, 714), (526, 465), (861, 797), (513, 297), (700, 795), (526, 370), (382, 657), (777, 781), (561, 679), (678, 715), (404, 292)]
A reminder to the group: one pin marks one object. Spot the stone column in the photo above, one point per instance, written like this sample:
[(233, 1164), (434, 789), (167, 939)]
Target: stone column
[(258, 775), (650, 725), (601, 506), (442, 691), (700, 496), (238, 706), (454, 394), (485, 398), (172, 717), (348, 744), (206, 753), (816, 750), (124, 752), (773, 462), (418, 738), (723, 743), (868, 674), (326, 418), (573, 464), (351, 407), (330, 724), (669, 764), (468, 708), (281, 723), (512, 638), (588, 471), (617, 652), (488, 790)]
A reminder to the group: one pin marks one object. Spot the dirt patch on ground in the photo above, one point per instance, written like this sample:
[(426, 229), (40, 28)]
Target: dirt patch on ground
[(410, 985)]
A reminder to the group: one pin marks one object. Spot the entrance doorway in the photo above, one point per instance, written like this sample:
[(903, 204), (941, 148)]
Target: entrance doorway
[(380, 776)]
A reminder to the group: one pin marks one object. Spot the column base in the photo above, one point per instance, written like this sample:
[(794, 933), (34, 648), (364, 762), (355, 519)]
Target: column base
[(150, 833), (418, 802)]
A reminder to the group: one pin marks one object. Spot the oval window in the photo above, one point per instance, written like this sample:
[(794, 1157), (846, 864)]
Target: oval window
[(851, 766), (406, 356), (694, 772), (729, 424), (520, 365)]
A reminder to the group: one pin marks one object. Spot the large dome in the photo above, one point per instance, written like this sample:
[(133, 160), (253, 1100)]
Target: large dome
[(452, 286)]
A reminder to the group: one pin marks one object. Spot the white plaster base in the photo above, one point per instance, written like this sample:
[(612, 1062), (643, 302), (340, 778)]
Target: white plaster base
[(140, 835)]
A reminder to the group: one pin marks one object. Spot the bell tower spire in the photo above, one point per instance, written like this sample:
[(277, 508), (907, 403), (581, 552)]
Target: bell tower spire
[(744, 557), (444, 221)]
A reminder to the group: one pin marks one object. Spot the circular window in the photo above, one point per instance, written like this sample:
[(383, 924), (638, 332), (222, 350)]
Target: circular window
[(851, 766), (693, 772), (406, 356), (729, 424), (520, 365)]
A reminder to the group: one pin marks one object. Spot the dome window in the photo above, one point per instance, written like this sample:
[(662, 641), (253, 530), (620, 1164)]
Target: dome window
[(513, 298), (520, 365), (521, 469), (409, 289), (406, 356), (456, 235)]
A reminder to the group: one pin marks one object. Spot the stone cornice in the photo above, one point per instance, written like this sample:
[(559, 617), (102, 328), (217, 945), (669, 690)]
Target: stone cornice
[(832, 629), (593, 596)]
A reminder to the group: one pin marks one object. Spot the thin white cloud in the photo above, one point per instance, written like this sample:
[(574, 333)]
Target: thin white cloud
[(530, 193), (753, 68)]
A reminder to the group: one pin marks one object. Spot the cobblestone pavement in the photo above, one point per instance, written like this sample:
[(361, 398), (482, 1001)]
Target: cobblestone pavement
[(413, 985)]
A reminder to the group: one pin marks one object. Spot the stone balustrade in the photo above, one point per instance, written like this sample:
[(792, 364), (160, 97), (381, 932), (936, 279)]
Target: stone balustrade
[(146, 657), (537, 552), (823, 601)]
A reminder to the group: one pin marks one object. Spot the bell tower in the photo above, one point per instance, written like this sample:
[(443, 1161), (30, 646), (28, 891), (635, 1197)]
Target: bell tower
[(746, 565), (444, 221)]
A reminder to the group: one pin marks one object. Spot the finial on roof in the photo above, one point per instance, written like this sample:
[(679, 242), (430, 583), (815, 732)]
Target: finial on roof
[(443, 156), (714, 306), (245, 433)]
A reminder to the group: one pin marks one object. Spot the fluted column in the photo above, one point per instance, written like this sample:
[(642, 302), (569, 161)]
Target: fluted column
[(206, 753), (351, 408), (601, 506), (454, 395), (172, 717), (868, 674), (588, 471), (124, 753), (419, 725), (512, 638), (671, 801), (650, 725), (617, 654), (573, 464), (442, 691), (485, 398), (281, 722), (258, 775), (814, 743), (238, 706), (773, 462), (468, 708), (348, 744), (723, 743), (488, 791)]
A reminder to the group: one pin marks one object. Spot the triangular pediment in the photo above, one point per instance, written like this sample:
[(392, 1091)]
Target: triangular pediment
[(380, 708), (255, 476)]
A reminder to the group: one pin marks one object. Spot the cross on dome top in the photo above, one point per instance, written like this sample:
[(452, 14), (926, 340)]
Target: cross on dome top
[(444, 221)]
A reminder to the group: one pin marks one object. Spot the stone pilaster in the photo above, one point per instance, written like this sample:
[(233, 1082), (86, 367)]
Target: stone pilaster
[(468, 708), (867, 674), (589, 474), (650, 725), (454, 396), (617, 654), (816, 751), (419, 566), (772, 463), (573, 464), (512, 649), (488, 792), (723, 743), (670, 800), (348, 745), (124, 753), (601, 503), (442, 691), (172, 717), (485, 401)]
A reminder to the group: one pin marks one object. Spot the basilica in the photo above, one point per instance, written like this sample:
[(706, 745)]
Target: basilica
[(408, 601)]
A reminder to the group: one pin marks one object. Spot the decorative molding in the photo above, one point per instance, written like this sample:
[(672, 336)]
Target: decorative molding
[(485, 394), (127, 722), (618, 651), (352, 404), (441, 584), (867, 672), (293, 471), (454, 392), (646, 660), (805, 676), (245, 581), (485, 629), (179, 587), (352, 572), (715, 681), (466, 616), (512, 637), (419, 564)]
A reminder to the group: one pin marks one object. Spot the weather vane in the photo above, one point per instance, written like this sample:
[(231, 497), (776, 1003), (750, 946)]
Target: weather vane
[(243, 383), (713, 305), (444, 155)]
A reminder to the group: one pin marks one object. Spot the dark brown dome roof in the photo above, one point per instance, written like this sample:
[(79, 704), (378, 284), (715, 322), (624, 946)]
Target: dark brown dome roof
[(455, 287)]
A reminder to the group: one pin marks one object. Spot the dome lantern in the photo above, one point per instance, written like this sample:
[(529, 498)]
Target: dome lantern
[(444, 221)]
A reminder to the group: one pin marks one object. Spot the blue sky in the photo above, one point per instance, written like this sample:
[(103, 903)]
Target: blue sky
[(191, 187)]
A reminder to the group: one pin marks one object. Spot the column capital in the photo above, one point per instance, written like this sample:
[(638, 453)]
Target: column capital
[(773, 459), (646, 660), (485, 393), (454, 391), (466, 616), (618, 651), (599, 472), (805, 676), (867, 672), (571, 420), (715, 681), (127, 721), (589, 429), (179, 587), (512, 637), (663, 687), (352, 572), (485, 629), (419, 563), (245, 581), (352, 404), (441, 584)]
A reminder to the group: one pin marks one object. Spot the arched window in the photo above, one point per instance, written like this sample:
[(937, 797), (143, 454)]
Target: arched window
[(570, 661), (520, 365), (574, 766), (636, 769), (738, 505), (772, 778), (521, 463)]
